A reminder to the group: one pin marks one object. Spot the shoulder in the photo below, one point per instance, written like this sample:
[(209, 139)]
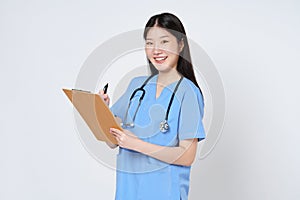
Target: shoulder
[(190, 90), (137, 81), (188, 86)]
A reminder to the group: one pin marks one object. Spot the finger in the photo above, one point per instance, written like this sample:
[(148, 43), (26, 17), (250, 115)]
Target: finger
[(116, 131), (101, 92), (118, 141), (114, 134)]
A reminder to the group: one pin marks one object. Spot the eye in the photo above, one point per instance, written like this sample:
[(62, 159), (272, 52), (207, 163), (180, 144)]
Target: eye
[(164, 41), (149, 43)]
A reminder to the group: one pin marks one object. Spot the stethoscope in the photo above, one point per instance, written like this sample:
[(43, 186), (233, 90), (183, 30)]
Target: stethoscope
[(164, 126)]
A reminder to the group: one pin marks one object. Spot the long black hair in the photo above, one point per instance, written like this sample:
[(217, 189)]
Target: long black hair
[(173, 25)]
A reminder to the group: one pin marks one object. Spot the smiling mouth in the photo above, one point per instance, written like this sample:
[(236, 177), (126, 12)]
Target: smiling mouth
[(160, 59)]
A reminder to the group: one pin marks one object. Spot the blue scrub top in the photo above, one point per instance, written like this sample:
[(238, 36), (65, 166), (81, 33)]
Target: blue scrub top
[(140, 176)]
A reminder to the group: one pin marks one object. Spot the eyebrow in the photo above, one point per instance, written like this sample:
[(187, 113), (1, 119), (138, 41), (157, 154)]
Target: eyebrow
[(164, 36)]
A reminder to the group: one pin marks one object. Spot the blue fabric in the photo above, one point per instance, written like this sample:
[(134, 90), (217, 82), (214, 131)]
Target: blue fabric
[(143, 177)]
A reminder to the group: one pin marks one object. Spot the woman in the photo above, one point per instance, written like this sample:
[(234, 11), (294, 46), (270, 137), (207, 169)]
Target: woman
[(161, 117)]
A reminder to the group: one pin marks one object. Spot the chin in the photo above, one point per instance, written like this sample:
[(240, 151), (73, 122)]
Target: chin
[(162, 68)]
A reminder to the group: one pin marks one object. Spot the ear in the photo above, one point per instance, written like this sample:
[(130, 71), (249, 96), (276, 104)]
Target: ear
[(181, 45)]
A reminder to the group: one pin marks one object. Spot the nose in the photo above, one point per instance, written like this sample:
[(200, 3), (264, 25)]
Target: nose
[(157, 49)]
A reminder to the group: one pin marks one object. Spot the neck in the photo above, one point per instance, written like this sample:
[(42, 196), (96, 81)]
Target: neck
[(165, 78)]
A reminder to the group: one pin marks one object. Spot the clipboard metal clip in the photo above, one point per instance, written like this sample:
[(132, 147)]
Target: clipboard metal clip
[(79, 90)]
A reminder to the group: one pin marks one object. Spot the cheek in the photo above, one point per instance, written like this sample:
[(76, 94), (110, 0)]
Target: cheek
[(148, 52), (173, 49)]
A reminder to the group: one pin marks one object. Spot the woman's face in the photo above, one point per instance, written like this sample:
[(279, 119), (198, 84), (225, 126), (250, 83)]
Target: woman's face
[(162, 49)]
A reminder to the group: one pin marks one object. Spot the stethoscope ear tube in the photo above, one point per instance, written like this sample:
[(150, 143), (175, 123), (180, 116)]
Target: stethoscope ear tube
[(126, 124), (164, 126), (135, 91), (171, 100)]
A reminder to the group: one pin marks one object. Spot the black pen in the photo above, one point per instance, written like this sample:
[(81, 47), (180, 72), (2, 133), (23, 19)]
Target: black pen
[(105, 88)]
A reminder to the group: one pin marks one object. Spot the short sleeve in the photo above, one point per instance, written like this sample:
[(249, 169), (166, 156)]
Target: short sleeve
[(191, 114)]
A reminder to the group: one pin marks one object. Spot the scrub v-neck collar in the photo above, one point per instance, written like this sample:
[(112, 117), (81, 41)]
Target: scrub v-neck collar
[(170, 87)]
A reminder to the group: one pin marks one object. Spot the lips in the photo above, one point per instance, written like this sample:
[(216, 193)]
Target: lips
[(160, 59)]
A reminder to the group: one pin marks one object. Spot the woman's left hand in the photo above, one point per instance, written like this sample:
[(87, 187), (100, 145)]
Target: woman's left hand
[(125, 138)]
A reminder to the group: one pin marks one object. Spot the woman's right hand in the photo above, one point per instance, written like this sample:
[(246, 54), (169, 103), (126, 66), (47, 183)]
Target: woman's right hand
[(105, 97)]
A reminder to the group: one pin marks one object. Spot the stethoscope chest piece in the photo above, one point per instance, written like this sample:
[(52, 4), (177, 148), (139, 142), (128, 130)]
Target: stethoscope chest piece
[(164, 126)]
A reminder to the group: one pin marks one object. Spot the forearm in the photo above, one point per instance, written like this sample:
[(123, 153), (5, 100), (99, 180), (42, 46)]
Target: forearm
[(184, 154)]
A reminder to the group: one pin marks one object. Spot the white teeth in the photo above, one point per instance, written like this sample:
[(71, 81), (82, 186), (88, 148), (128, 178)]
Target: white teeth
[(161, 58)]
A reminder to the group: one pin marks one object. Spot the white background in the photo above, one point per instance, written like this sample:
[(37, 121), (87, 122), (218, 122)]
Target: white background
[(254, 45)]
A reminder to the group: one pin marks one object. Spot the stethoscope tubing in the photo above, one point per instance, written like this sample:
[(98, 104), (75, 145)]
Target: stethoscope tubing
[(164, 124)]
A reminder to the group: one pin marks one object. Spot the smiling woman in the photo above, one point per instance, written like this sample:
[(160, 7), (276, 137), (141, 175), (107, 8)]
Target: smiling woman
[(161, 116), (162, 50)]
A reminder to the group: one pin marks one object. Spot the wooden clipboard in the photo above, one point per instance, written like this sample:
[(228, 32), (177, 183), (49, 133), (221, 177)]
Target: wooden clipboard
[(95, 113)]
